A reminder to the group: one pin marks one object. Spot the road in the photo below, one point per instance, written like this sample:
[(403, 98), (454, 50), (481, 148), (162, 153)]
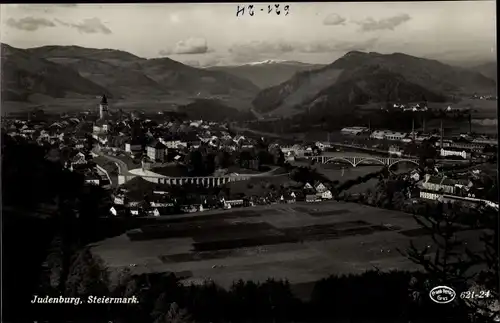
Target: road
[(268, 134), (268, 173), (122, 166)]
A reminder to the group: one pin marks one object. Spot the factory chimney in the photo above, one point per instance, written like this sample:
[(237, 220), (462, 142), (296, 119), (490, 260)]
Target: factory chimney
[(413, 128), (470, 123), (442, 133)]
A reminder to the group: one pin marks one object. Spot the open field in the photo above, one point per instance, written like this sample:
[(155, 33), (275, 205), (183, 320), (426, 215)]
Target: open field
[(363, 187), (300, 242), (336, 173)]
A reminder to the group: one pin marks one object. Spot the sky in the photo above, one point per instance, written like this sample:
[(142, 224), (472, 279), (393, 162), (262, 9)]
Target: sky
[(204, 34)]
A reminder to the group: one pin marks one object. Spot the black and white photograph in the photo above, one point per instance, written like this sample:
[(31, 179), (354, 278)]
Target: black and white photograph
[(267, 162)]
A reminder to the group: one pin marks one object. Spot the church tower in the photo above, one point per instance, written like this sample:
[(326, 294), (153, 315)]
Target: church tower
[(102, 125), (103, 107)]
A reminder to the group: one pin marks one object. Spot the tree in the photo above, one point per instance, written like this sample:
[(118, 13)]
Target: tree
[(278, 157), (87, 276), (244, 158), (222, 159), (426, 151), (450, 265), (487, 279), (175, 314), (194, 161), (316, 150)]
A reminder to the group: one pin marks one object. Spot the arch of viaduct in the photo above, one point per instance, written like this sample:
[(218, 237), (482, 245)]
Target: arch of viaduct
[(207, 181)]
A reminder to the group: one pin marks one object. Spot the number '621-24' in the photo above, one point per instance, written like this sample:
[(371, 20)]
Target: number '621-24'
[(475, 295)]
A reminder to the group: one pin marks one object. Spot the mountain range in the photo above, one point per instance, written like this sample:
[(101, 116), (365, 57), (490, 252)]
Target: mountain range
[(360, 78), (267, 73), (487, 69), (66, 71), (273, 88)]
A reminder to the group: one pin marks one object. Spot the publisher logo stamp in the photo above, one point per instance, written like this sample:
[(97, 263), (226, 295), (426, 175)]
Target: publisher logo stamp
[(442, 294)]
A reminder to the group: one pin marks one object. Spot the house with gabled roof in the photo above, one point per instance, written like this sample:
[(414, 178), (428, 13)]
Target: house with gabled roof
[(320, 187), (325, 195), (434, 187), (156, 151)]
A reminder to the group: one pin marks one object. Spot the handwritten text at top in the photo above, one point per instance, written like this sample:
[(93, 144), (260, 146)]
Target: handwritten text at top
[(269, 9)]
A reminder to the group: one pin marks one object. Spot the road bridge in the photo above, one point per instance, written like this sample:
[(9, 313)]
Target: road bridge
[(357, 160)]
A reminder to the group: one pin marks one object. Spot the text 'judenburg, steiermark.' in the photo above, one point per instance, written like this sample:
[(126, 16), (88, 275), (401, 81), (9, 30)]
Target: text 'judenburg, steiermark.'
[(89, 300)]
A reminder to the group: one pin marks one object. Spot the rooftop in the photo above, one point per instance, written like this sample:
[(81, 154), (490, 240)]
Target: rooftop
[(156, 144)]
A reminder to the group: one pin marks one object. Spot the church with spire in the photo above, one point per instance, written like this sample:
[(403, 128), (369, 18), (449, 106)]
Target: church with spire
[(103, 124)]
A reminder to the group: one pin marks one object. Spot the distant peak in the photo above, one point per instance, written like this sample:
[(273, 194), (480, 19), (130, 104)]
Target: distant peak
[(267, 61), (397, 54), (355, 53)]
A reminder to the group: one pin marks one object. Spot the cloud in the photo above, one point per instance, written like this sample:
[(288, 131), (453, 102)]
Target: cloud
[(262, 47), (188, 46), (29, 23), (334, 20), (46, 8), (370, 24), (88, 26), (339, 46), (174, 18), (165, 52), (260, 50)]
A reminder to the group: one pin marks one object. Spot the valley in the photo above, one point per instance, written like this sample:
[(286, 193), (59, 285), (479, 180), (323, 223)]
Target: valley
[(353, 88)]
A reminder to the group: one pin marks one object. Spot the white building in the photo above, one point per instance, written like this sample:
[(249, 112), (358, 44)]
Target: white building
[(173, 144), (353, 131), (326, 195), (133, 147), (455, 152), (396, 151), (388, 135), (323, 145)]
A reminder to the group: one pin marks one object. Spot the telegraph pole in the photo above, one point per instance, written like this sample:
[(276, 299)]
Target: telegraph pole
[(413, 128), (442, 133)]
